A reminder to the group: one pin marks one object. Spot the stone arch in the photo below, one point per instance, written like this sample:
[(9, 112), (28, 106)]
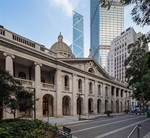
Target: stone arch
[(90, 105), (21, 75), (66, 101), (80, 106), (48, 105), (99, 108), (106, 105)]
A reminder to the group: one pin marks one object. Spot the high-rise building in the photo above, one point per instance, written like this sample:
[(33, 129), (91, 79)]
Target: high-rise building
[(77, 47), (105, 25), (118, 53)]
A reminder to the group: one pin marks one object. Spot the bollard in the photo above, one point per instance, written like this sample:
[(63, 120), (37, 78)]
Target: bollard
[(138, 131)]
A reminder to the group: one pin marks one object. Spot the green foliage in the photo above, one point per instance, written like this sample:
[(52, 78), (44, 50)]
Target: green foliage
[(137, 69), (126, 111), (140, 12), (26, 129), (108, 112), (13, 95)]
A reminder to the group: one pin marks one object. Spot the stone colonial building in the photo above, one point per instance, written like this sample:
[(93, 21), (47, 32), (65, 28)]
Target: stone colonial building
[(59, 79)]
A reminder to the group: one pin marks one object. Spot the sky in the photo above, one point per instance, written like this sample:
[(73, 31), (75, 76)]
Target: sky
[(43, 20)]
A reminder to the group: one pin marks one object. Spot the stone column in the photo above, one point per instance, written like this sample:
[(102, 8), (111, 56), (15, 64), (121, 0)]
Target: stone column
[(74, 95), (9, 62), (58, 103), (86, 97), (95, 97), (38, 94), (9, 68), (114, 99), (103, 99)]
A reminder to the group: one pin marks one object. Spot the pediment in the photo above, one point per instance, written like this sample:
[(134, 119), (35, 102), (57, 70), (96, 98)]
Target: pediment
[(88, 65)]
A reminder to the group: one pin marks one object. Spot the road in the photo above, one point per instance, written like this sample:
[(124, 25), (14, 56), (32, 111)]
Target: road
[(111, 127)]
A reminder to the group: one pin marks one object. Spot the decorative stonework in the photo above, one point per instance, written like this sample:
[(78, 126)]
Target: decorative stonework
[(91, 64)]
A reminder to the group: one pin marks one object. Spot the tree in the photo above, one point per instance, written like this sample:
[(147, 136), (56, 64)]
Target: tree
[(136, 69), (11, 92), (140, 13)]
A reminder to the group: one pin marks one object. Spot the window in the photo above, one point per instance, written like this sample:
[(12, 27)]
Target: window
[(80, 85), (42, 80), (99, 89), (66, 79), (90, 87), (21, 75)]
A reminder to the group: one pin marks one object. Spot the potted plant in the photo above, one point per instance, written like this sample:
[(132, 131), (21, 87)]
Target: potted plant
[(108, 112), (126, 111)]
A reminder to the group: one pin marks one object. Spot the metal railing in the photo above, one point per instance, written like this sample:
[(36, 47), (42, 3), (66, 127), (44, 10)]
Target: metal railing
[(138, 128)]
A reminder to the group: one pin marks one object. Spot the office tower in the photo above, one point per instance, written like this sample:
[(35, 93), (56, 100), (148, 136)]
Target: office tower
[(105, 25), (118, 53), (77, 47)]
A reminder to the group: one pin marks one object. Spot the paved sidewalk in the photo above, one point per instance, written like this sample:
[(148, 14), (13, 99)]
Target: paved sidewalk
[(74, 119)]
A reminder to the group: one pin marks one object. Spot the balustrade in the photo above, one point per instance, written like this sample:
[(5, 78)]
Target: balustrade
[(48, 86), (26, 83)]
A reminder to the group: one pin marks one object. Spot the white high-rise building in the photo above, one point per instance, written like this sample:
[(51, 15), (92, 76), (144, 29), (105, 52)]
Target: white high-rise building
[(118, 53)]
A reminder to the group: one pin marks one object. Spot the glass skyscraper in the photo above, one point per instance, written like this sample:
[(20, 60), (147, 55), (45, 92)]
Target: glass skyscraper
[(105, 25), (77, 46)]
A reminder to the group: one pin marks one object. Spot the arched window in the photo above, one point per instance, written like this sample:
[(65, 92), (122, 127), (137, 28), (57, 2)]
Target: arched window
[(106, 90), (42, 80), (21, 75), (90, 87), (80, 85), (66, 79), (99, 89), (121, 93)]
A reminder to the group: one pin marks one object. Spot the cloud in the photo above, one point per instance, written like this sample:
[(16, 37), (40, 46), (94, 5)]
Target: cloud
[(67, 6)]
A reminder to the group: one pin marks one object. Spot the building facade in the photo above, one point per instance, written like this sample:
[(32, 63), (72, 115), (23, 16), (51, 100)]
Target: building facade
[(64, 85), (105, 25), (119, 52), (77, 47)]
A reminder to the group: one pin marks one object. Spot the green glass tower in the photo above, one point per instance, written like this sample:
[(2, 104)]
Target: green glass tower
[(105, 25)]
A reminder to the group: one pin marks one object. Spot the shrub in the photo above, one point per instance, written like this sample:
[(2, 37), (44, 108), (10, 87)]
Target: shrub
[(126, 111), (108, 112), (26, 129)]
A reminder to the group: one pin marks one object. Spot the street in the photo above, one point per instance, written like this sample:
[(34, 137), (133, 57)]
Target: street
[(111, 127)]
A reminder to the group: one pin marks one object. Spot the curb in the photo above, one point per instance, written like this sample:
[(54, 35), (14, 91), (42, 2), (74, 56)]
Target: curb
[(75, 122)]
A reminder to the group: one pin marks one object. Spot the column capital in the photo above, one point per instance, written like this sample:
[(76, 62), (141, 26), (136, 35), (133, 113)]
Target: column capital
[(8, 54), (36, 63)]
